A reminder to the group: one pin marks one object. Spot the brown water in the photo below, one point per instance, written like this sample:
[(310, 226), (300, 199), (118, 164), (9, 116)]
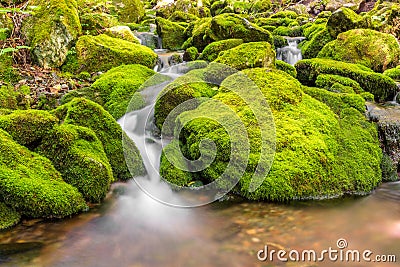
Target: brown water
[(227, 233)]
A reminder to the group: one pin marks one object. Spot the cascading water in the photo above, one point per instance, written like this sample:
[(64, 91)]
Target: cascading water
[(290, 53)]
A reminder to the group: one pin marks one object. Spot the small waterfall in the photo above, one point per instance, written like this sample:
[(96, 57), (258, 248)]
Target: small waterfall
[(290, 53)]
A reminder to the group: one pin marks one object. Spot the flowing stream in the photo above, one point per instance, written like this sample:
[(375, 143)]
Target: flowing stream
[(132, 229), (290, 53)]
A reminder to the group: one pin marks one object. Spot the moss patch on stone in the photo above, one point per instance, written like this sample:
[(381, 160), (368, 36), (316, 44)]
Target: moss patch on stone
[(286, 67), (172, 34), (211, 51), (8, 217), (102, 52), (31, 185), (248, 55), (378, 51), (381, 86), (83, 112)]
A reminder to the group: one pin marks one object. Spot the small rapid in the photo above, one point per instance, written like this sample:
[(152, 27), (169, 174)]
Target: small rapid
[(290, 53)]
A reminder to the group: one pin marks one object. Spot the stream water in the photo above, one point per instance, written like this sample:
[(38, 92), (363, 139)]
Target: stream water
[(290, 53), (132, 229)]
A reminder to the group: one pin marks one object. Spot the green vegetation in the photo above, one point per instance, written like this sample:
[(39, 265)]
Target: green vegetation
[(378, 51), (328, 81), (393, 73), (211, 51), (191, 54), (286, 67), (381, 86), (95, 23), (102, 52), (30, 185), (8, 217), (83, 112), (122, 32), (311, 158), (130, 11), (343, 20), (172, 34), (248, 55), (51, 30), (78, 155)]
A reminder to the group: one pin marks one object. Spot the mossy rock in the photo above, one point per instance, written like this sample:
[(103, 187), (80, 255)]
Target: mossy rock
[(172, 34), (51, 30), (288, 31), (378, 51), (102, 52), (8, 217), (343, 20), (381, 86), (248, 55), (312, 158), (279, 41), (191, 54), (96, 23), (8, 74), (78, 155), (122, 32), (30, 185), (83, 112), (180, 16), (28, 127), (9, 97), (393, 73), (286, 67), (211, 51), (318, 40), (130, 10), (226, 26), (328, 80), (276, 22), (192, 85), (337, 101)]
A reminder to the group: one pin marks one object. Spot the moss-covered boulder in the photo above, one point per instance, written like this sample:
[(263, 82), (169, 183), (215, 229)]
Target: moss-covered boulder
[(381, 86), (393, 73), (102, 52), (331, 82), (180, 16), (190, 54), (317, 38), (51, 30), (172, 34), (248, 55), (78, 155), (226, 26), (8, 217), (30, 185), (192, 85), (118, 88), (318, 153), (211, 51), (344, 20), (96, 23), (28, 127), (10, 97), (83, 112), (378, 51), (122, 32), (129, 10), (286, 67)]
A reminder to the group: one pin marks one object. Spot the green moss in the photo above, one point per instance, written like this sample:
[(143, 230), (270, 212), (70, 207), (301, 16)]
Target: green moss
[(248, 55), (30, 185), (192, 85), (286, 67), (51, 30), (343, 20), (211, 51), (328, 80), (71, 64), (393, 73), (337, 101), (312, 142), (172, 34), (378, 51), (96, 23), (191, 54), (260, 6), (180, 16), (102, 52), (287, 31), (285, 14), (389, 170), (8, 217), (8, 74), (28, 127), (4, 34), (130, 10), (318, 40), (279, 41), (122, 32), (381, 86), (276, 22), (227, 26), (83, 112), (78, 155)]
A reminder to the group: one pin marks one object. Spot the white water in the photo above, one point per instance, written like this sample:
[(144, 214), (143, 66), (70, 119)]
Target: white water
[(290, 53)]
